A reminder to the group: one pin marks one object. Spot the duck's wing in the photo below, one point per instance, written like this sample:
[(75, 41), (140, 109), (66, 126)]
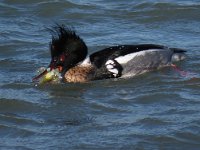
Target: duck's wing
[(99, 58), (128, 60)]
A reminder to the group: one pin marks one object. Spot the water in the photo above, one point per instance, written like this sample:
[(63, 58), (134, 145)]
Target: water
[(157, 110)]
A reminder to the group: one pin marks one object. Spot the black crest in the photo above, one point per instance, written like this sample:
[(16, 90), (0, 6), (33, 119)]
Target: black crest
[(66, 47), (64, 39)]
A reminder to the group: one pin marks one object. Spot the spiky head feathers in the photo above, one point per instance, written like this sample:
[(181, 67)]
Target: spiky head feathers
[(67, 48)]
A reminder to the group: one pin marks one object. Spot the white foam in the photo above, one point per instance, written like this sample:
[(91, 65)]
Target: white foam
[(178, 57)]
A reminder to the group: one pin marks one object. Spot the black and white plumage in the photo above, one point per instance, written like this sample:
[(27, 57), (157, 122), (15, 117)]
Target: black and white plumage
[(69, 54), (136, 59)]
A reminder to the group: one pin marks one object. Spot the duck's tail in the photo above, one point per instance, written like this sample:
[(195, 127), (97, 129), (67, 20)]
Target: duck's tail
[(178, 55)]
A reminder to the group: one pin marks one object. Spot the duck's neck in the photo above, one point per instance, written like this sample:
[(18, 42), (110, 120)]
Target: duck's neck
[(85, 62)]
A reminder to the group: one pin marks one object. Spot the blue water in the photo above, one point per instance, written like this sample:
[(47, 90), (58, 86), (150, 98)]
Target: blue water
[(157, 110)]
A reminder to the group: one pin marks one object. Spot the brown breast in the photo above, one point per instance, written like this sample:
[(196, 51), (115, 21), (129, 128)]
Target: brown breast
[(80, 74)]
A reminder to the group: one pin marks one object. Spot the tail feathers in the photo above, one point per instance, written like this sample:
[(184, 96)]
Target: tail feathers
[(178, 50), (178, 55)]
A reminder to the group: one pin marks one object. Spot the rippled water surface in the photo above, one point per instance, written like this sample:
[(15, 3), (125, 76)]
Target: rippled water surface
[(157, 110)]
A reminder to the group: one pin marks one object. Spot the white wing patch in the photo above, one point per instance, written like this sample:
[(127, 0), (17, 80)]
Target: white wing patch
[(126, 58), (110, 65)]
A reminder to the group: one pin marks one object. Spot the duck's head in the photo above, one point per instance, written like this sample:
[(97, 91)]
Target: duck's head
[(67, 50)]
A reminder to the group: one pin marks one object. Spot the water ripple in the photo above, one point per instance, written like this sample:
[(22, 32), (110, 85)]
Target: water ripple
[(157, 110)]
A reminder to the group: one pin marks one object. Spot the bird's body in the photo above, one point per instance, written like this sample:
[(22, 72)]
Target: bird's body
[(69, 53)]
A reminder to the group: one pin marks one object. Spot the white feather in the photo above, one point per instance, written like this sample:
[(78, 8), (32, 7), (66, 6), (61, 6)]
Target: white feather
[(86, 62), (126, 58)]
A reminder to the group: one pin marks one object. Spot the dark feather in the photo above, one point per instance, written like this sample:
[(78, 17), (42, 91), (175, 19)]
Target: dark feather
[(67, 46), (178, 50), (99, 58), (64, 39)]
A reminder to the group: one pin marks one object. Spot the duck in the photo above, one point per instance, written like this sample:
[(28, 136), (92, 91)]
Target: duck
[(69, 56)]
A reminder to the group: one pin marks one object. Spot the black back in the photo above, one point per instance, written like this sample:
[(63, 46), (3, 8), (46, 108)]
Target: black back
[(99, 58)]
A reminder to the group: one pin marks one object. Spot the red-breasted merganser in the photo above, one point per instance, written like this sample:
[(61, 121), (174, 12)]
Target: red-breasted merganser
[(69, 55)]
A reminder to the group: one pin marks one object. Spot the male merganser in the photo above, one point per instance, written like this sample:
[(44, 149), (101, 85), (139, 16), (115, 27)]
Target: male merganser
[(69, 57)]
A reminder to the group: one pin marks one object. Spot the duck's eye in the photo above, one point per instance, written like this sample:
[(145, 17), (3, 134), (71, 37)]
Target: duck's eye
[(62, 58)]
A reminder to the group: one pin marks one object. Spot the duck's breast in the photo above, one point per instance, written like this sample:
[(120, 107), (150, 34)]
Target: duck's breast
[(79, 74)]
